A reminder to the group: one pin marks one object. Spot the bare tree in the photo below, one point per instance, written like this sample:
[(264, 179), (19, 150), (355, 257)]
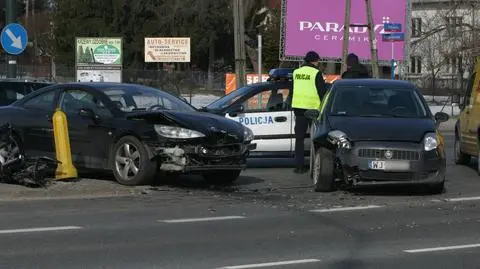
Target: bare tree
[(446, 43)]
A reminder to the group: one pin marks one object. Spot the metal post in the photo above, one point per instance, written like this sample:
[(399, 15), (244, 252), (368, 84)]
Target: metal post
[(10, 12), (259, 58), (238, 19), (346, 34), (393, 60), (373, 45)]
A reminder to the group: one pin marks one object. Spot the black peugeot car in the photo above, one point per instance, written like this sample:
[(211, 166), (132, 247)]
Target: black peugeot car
[(132, 130), (371, 132)]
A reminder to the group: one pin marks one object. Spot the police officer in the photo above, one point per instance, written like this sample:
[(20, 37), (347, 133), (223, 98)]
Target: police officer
[(308, 91)]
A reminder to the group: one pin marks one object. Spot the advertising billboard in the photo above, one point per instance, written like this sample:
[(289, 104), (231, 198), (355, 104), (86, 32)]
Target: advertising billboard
[(98, 59), (319, 25), (167, 49)]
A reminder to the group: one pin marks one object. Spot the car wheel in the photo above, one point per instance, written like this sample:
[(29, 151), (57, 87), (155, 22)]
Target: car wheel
[(222, 177), (438, 188), (131, 165), (459, 156), (323, 170), (312, 159), (478, 162)]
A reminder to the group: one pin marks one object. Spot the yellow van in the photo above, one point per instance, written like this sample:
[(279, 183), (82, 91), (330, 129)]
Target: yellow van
[(467, 127)]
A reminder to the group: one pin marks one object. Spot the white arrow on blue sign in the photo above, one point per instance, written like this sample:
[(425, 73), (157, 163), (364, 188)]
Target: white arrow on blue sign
[(14, 38)]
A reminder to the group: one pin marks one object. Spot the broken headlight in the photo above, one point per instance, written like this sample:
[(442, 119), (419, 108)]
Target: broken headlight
[(176, 132), (340, 139), (247, 134)]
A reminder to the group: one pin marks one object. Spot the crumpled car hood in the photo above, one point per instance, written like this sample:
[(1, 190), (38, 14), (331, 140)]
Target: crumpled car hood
[(206, 123)]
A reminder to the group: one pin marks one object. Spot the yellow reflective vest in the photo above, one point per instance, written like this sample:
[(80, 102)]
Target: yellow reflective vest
[(305, 94)]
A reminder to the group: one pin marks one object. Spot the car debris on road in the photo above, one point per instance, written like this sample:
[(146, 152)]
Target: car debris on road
[(16, 167)]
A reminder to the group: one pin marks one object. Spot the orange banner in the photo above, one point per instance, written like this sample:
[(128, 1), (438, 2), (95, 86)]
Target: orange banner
[(230, 78)]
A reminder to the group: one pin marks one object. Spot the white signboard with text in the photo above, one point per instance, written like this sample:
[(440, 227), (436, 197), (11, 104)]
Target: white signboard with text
[(167, 49)]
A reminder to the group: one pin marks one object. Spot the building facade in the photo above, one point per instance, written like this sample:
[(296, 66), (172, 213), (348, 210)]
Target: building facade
[(442, 44)]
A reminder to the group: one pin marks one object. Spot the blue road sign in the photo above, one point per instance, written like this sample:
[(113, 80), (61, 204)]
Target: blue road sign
[(14, 38), (392, 27), (393, 37)]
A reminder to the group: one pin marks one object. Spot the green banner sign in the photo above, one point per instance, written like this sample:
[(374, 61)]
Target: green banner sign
[(98, 51)]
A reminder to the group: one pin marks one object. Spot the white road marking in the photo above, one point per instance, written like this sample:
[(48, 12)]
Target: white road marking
[(336, 209), (270, 264), (40, 229), (475, 198), (202, 219), (441, 248)]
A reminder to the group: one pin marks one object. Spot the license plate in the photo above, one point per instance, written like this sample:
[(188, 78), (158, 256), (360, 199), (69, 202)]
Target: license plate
[(376, 165)]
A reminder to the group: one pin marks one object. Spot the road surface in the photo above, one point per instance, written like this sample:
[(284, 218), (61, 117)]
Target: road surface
[(270, 219)]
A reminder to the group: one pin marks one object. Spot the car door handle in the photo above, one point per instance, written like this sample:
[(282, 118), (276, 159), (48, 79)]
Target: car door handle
[(280, 119)]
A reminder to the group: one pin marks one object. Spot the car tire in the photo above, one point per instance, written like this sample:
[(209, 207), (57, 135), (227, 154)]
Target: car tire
[(437, 188), (323, 170), (130, 152), (222, 177), (478, 162), (459, 157), (312, 159)]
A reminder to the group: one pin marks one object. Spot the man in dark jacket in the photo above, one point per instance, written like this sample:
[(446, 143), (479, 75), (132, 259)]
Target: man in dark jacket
[(354, 68)]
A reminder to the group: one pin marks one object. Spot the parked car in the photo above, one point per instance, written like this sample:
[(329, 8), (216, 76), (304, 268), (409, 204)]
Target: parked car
[(12, 90), (132, 130), (266, 108), (374, 132), (467, 127)]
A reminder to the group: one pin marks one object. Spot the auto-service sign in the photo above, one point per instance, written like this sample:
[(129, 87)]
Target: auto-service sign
[(319, 25)]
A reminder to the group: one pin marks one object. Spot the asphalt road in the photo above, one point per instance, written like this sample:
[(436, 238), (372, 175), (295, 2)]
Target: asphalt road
[(270, 219)]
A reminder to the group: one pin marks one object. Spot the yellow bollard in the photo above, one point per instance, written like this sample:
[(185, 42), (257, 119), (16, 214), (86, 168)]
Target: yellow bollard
[(65, 169)]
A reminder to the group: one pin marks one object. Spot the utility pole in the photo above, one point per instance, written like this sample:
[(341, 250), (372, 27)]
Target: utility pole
[(10, 17), (373, 44), (346, 34), (371, 36), (259, 60), (239, 33)]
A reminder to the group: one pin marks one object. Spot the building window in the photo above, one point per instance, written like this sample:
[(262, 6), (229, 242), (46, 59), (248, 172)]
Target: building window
[(454, 25), (451, 64), (415, 65), (416, 27)]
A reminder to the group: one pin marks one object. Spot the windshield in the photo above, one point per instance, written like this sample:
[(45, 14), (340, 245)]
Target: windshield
[(138, 98), (377, 102), (230, 98)]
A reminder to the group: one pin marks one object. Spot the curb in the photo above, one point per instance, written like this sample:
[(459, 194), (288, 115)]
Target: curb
[(69, 197)]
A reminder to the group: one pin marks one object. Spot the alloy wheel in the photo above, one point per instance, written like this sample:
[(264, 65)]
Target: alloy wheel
[(127, 161), (9, 151)]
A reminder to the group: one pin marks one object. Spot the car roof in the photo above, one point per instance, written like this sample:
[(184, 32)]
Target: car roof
[(375, 82)]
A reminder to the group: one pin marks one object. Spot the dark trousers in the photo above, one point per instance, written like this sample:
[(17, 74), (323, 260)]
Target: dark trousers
[(301, 126)]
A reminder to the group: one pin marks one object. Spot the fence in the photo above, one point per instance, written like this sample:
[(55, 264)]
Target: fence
[(179, 82)]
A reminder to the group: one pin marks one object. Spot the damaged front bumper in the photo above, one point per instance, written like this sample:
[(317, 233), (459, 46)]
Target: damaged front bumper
[(186, 158), (387, 163)]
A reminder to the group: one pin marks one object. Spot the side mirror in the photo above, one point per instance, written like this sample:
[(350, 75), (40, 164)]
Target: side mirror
[(88, 113), (441, 117), (312, 114), (236, 110)]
